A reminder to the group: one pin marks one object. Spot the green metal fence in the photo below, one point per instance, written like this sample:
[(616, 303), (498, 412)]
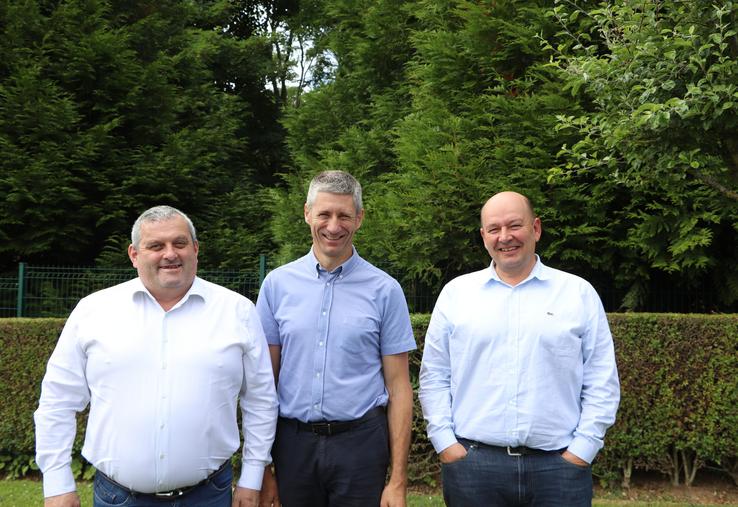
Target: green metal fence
[(47, 291)]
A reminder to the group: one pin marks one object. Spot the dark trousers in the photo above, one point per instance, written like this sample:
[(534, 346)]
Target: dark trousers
[(489, 476), (347, 469)]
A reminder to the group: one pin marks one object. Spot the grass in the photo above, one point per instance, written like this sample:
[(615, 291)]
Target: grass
[(28, 493)]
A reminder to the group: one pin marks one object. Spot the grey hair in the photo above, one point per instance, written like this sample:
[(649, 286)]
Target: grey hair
[(335, 182), (159, 214)]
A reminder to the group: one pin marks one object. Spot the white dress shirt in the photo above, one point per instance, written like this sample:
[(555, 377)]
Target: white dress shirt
[(527, 365), (163, 389)]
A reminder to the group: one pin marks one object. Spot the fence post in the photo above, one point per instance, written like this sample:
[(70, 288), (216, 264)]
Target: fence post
[(21, 289), (262, 268)]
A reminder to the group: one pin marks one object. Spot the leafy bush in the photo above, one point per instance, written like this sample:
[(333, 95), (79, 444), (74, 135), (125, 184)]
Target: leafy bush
[(678, 410)]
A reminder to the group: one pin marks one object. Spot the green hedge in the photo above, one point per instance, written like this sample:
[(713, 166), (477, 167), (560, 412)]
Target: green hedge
[(678, 412)]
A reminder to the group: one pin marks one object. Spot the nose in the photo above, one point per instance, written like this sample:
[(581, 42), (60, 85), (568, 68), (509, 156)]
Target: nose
[(505, 235), (333, 224), (169, 252)]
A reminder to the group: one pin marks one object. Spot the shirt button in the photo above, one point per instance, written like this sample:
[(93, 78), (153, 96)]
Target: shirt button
[(161, 456), (323, 313), (320, 343), (317, 374), (315, 406)]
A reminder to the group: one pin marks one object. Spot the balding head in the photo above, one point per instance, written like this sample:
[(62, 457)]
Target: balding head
[(510, 231)]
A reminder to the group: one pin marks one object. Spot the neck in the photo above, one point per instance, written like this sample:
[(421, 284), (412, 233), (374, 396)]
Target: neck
[(514, 278), (331, 263)]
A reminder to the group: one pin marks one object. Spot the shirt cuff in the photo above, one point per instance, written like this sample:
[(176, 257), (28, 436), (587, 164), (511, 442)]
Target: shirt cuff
[(251, 476), (583, 448), (443, 440), (58, 482)]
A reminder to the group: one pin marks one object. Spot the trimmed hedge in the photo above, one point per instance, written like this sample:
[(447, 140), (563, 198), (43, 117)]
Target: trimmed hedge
[(678, 412)]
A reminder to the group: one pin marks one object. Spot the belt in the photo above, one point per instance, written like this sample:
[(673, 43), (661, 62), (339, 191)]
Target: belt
[(328, 428), (514, 451), (175, 493)]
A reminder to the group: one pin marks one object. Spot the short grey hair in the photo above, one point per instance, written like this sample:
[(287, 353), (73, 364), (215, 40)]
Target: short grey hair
[(335, 182), (159, 214)]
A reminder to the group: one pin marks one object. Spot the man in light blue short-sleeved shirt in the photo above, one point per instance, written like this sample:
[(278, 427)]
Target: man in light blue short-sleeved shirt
[(518, 382), (339, 334)]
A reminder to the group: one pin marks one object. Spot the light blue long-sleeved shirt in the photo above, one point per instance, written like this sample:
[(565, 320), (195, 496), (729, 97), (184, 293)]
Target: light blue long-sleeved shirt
[(333, 329), (530, 365)]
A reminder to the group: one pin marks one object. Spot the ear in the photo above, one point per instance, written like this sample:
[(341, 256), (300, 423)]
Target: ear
[(306, 211), (133, 255), (537, 228), (359, 218)]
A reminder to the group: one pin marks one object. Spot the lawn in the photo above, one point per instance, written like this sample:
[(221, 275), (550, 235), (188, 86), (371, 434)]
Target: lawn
[(27, 493)]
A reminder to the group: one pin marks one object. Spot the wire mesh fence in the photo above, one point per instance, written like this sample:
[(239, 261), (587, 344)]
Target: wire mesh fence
[(54, 291)]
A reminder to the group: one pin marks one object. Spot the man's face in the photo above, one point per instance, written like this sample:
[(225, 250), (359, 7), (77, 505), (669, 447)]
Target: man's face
[(166, 258), (333, 221), (510, 233)]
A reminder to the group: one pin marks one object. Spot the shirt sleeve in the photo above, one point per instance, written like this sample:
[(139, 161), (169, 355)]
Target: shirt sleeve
[(435, 377), (265, 310), (600, 384), (64, 392), (259, 406), (397, 332)]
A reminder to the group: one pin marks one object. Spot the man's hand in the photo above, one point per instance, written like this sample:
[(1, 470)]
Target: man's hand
[(394, 495), (269, 494), (65, 500), (245, 497), (574, 459), (452, 453)]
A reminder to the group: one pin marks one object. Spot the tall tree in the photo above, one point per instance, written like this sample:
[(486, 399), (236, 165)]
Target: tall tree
[(660, 81), (109, 107)]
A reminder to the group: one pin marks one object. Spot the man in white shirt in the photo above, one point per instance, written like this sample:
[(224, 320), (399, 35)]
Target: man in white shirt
[(162, 360), (518, 381)]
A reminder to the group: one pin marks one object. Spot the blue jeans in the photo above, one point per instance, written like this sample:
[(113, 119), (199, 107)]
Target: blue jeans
[(215, 492), (489, 476)]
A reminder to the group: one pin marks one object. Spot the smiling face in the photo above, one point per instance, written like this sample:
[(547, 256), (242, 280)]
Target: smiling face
[(166, 259), (333, 220), (510, 233)]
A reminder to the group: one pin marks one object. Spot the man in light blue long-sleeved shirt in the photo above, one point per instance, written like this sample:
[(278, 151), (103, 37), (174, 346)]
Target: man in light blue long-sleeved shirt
[(518, 382)]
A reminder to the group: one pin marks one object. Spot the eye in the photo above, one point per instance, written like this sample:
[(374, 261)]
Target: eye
[(154, 246)]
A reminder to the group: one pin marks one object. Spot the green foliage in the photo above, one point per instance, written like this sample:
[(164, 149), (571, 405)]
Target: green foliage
[(108, 108), (658, 84), (677, 372)]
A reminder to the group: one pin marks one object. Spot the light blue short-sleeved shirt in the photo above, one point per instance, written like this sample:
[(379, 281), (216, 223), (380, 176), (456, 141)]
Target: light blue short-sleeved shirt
[(333, 329)]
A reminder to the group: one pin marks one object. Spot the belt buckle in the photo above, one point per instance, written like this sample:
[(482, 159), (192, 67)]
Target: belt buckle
[(169, 494), (321, 429), (511, 453)]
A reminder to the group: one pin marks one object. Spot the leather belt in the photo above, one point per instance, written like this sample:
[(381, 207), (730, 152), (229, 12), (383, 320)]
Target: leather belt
[(175, 493), (328, 428), (514, 451)]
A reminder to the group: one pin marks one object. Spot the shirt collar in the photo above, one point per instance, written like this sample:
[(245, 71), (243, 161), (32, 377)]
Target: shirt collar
[(344, 269), (540, 271), (198, 289)]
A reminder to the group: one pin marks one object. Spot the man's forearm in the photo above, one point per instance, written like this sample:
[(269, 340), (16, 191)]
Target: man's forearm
[(399, 421)]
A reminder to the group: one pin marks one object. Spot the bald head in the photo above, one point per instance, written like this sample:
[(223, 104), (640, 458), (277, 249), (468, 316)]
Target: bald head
[(506, 199), (510, 231)]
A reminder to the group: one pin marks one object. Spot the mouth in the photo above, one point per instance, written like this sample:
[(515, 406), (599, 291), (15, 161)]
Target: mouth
[(170, 267), (508, 249)]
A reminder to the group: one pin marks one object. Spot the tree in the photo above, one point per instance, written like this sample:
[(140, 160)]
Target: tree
[(111, 107), (659, 83)]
